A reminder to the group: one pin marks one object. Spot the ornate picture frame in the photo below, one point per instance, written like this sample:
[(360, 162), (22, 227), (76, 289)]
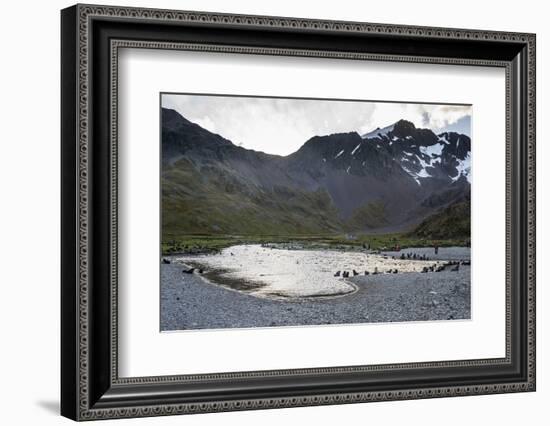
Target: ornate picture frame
[(91, 37)]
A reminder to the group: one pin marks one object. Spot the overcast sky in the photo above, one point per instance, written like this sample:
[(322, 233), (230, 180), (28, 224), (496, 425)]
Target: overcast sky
[(281, 126)]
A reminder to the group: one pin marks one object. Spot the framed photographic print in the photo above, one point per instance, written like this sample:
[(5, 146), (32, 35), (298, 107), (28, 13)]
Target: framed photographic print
[(263, 212)]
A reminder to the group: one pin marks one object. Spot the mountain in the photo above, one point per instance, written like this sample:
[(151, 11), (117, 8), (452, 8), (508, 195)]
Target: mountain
[(452, 222), (389, 179)]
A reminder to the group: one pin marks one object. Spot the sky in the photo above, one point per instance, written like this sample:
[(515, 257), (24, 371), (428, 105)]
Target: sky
[(281, 125)]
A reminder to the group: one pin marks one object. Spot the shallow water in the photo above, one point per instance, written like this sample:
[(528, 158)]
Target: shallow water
[(280, 273), (444, 253)]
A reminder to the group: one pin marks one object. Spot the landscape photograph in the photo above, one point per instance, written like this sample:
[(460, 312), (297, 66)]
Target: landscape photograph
[(279, 211)]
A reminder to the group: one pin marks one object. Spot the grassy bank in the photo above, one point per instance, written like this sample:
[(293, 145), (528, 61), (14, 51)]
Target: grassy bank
[(198, 244)]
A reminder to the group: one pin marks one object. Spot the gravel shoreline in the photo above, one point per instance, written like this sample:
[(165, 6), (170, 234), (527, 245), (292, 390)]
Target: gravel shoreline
[(188, 302)]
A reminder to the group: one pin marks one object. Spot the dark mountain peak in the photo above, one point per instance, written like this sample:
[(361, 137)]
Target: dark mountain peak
[(180, 135), (422, 137), (454, 137), (399, 126), (379, 133), (171, 116), (403, 128), (174, 121), (324, 145), (403, 133), (335, 138)]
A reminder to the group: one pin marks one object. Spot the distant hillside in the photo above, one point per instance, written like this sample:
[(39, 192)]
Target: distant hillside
[(210, 200), (391, 178), (451, 222)]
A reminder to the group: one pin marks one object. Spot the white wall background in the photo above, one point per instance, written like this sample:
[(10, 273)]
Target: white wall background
[(29, 212)]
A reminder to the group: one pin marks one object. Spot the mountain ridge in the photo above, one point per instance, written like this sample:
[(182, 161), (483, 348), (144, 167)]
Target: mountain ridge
[(393, 177)]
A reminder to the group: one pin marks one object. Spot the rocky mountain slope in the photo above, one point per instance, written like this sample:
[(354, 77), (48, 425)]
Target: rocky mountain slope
[(387, 180)]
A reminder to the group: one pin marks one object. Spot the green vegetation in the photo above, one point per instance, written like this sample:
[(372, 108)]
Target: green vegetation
[(452, 222), (212, 243), (370, 215), (208, 201), (205, 209)]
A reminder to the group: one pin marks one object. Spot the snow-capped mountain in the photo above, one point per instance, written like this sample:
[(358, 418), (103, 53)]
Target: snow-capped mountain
[(390, 178), (424, 155)]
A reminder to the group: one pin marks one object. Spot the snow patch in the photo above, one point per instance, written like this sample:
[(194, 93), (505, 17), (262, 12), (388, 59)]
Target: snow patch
[(443, 139), (411, 174), (340, 153), (464, 168), (378, 133), (433, 150), (423, 163), (347, 170), (355, 149), (423, 173)]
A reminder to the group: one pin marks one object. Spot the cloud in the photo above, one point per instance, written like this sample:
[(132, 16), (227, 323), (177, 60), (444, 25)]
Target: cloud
[(434, 117), (281, 126)]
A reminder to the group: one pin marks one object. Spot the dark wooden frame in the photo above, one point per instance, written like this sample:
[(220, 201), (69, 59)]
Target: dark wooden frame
[(90, 386)]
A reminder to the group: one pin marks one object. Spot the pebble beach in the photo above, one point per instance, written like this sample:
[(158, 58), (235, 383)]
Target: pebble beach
[(193, 301)]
